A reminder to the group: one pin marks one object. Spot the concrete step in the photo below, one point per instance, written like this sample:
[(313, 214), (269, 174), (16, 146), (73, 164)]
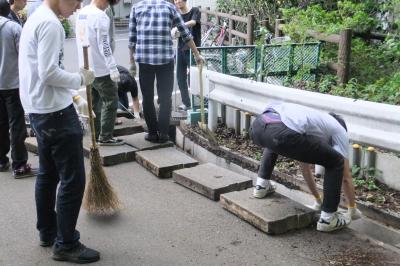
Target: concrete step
[(137, 141), (128, 127), (211, 180), (275, 214), (162, 162), (111, 155)]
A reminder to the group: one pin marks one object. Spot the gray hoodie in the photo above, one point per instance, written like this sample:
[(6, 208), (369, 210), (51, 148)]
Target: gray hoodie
[(9, 45)]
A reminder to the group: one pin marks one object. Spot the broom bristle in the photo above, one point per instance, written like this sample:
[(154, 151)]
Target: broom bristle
[(100, 197)]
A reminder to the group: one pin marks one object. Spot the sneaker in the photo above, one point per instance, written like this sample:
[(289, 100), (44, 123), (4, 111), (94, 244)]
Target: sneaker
[(24, 171), (163, 138), (152, 137), (79, 254), (261, 192), (354, 213), (316, 206), (46, 243), (111, 142), (338, 221), (4, 167), (183, 107)]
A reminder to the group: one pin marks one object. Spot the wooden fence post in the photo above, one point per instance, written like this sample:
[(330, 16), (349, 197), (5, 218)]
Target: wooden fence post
[(343, 71), (278, 22), (231, 26), (250, 29)]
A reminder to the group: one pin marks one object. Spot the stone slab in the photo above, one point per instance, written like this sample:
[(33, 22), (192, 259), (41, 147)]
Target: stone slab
[(128, 127), (162, 162), (31, 144), (111, 155), (138, 142), (275, 214), (211, 180)]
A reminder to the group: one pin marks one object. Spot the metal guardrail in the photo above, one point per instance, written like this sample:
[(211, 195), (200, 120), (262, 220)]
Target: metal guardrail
[(370, 123)]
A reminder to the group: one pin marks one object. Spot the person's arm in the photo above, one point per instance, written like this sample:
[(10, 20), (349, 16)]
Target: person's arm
[(110, 13), (50, 36), (103, 42), (195, 19), (348, 186), (132, 36), (308, 177), (17, 35)]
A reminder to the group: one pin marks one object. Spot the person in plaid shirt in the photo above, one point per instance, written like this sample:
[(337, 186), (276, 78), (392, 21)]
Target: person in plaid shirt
[(150, 43)]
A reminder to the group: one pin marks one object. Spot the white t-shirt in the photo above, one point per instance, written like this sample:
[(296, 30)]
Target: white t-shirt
[(92, 26), (44, 86), (306, 120)]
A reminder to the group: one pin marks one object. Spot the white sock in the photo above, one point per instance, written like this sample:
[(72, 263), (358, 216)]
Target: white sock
[(263, 182), (136, 114), (327, 216)]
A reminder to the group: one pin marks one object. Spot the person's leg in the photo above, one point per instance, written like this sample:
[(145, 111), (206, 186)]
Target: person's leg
[(16, 116), (267, 163), (4, 134), (165, 85), (97, 105), (67, 153), (146, 78), (47, 179), (181, 76), (108, 93)]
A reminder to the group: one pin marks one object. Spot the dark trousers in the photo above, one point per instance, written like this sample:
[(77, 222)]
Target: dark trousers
[(279, 139), (182, 64), (59, 136), (105, 105), (12, 129), (165, 83)]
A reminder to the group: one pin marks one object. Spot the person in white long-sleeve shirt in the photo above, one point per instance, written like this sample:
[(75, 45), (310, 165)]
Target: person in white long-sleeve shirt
[(46, 94), (92, 26)]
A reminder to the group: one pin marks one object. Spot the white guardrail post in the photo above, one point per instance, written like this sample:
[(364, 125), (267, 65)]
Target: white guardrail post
[(370, 123)]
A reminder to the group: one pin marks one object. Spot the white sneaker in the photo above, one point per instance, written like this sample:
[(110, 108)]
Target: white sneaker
[(261, 192), (338, 221), (354, 213), (316, 206)]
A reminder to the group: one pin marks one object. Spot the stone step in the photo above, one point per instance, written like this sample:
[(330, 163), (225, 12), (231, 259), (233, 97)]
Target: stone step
[(211, 180), (275, 214), (31, 144), (137, 141), (128, 127), (162, 162), (111, 155)]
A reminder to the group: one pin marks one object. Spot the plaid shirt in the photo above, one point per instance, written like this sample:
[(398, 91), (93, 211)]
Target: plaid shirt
[(150, 25)]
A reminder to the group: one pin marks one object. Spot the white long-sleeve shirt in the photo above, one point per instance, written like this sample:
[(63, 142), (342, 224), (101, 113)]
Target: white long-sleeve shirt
[(44, 86), (92, 26)]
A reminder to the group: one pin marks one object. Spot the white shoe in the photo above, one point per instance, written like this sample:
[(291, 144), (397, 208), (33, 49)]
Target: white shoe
[(316, 206), (338, 221), (260, 192), (354, 213)]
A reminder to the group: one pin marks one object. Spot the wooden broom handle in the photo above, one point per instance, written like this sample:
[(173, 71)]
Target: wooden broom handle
[(89, 96)]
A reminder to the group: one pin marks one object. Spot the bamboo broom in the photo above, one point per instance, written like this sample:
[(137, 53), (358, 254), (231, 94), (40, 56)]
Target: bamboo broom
[(100, 197)]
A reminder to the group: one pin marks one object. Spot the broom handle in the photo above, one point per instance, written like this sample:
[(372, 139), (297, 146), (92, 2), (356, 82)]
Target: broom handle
[(201, 94), (89, 96)]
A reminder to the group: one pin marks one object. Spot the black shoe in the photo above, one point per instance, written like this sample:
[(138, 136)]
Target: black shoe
[(79, 254), (151, 137), (46, 243), (25, 171), (4, 167), (163, 138), (111, 142)]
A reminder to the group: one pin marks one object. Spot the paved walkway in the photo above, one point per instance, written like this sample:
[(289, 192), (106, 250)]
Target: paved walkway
[(164, 223)]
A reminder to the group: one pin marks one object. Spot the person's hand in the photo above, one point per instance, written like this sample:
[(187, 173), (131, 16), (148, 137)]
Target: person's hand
[(87, 76), (199, 60), (175, 33), (114, 75), (132, 70), (81, 106)]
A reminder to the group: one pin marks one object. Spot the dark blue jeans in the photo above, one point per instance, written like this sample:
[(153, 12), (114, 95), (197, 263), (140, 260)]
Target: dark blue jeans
[(279, 139), (182, 65), (59, 137), (12, 128)]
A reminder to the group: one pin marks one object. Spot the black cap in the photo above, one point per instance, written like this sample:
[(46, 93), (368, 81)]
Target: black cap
[(339, 119)]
